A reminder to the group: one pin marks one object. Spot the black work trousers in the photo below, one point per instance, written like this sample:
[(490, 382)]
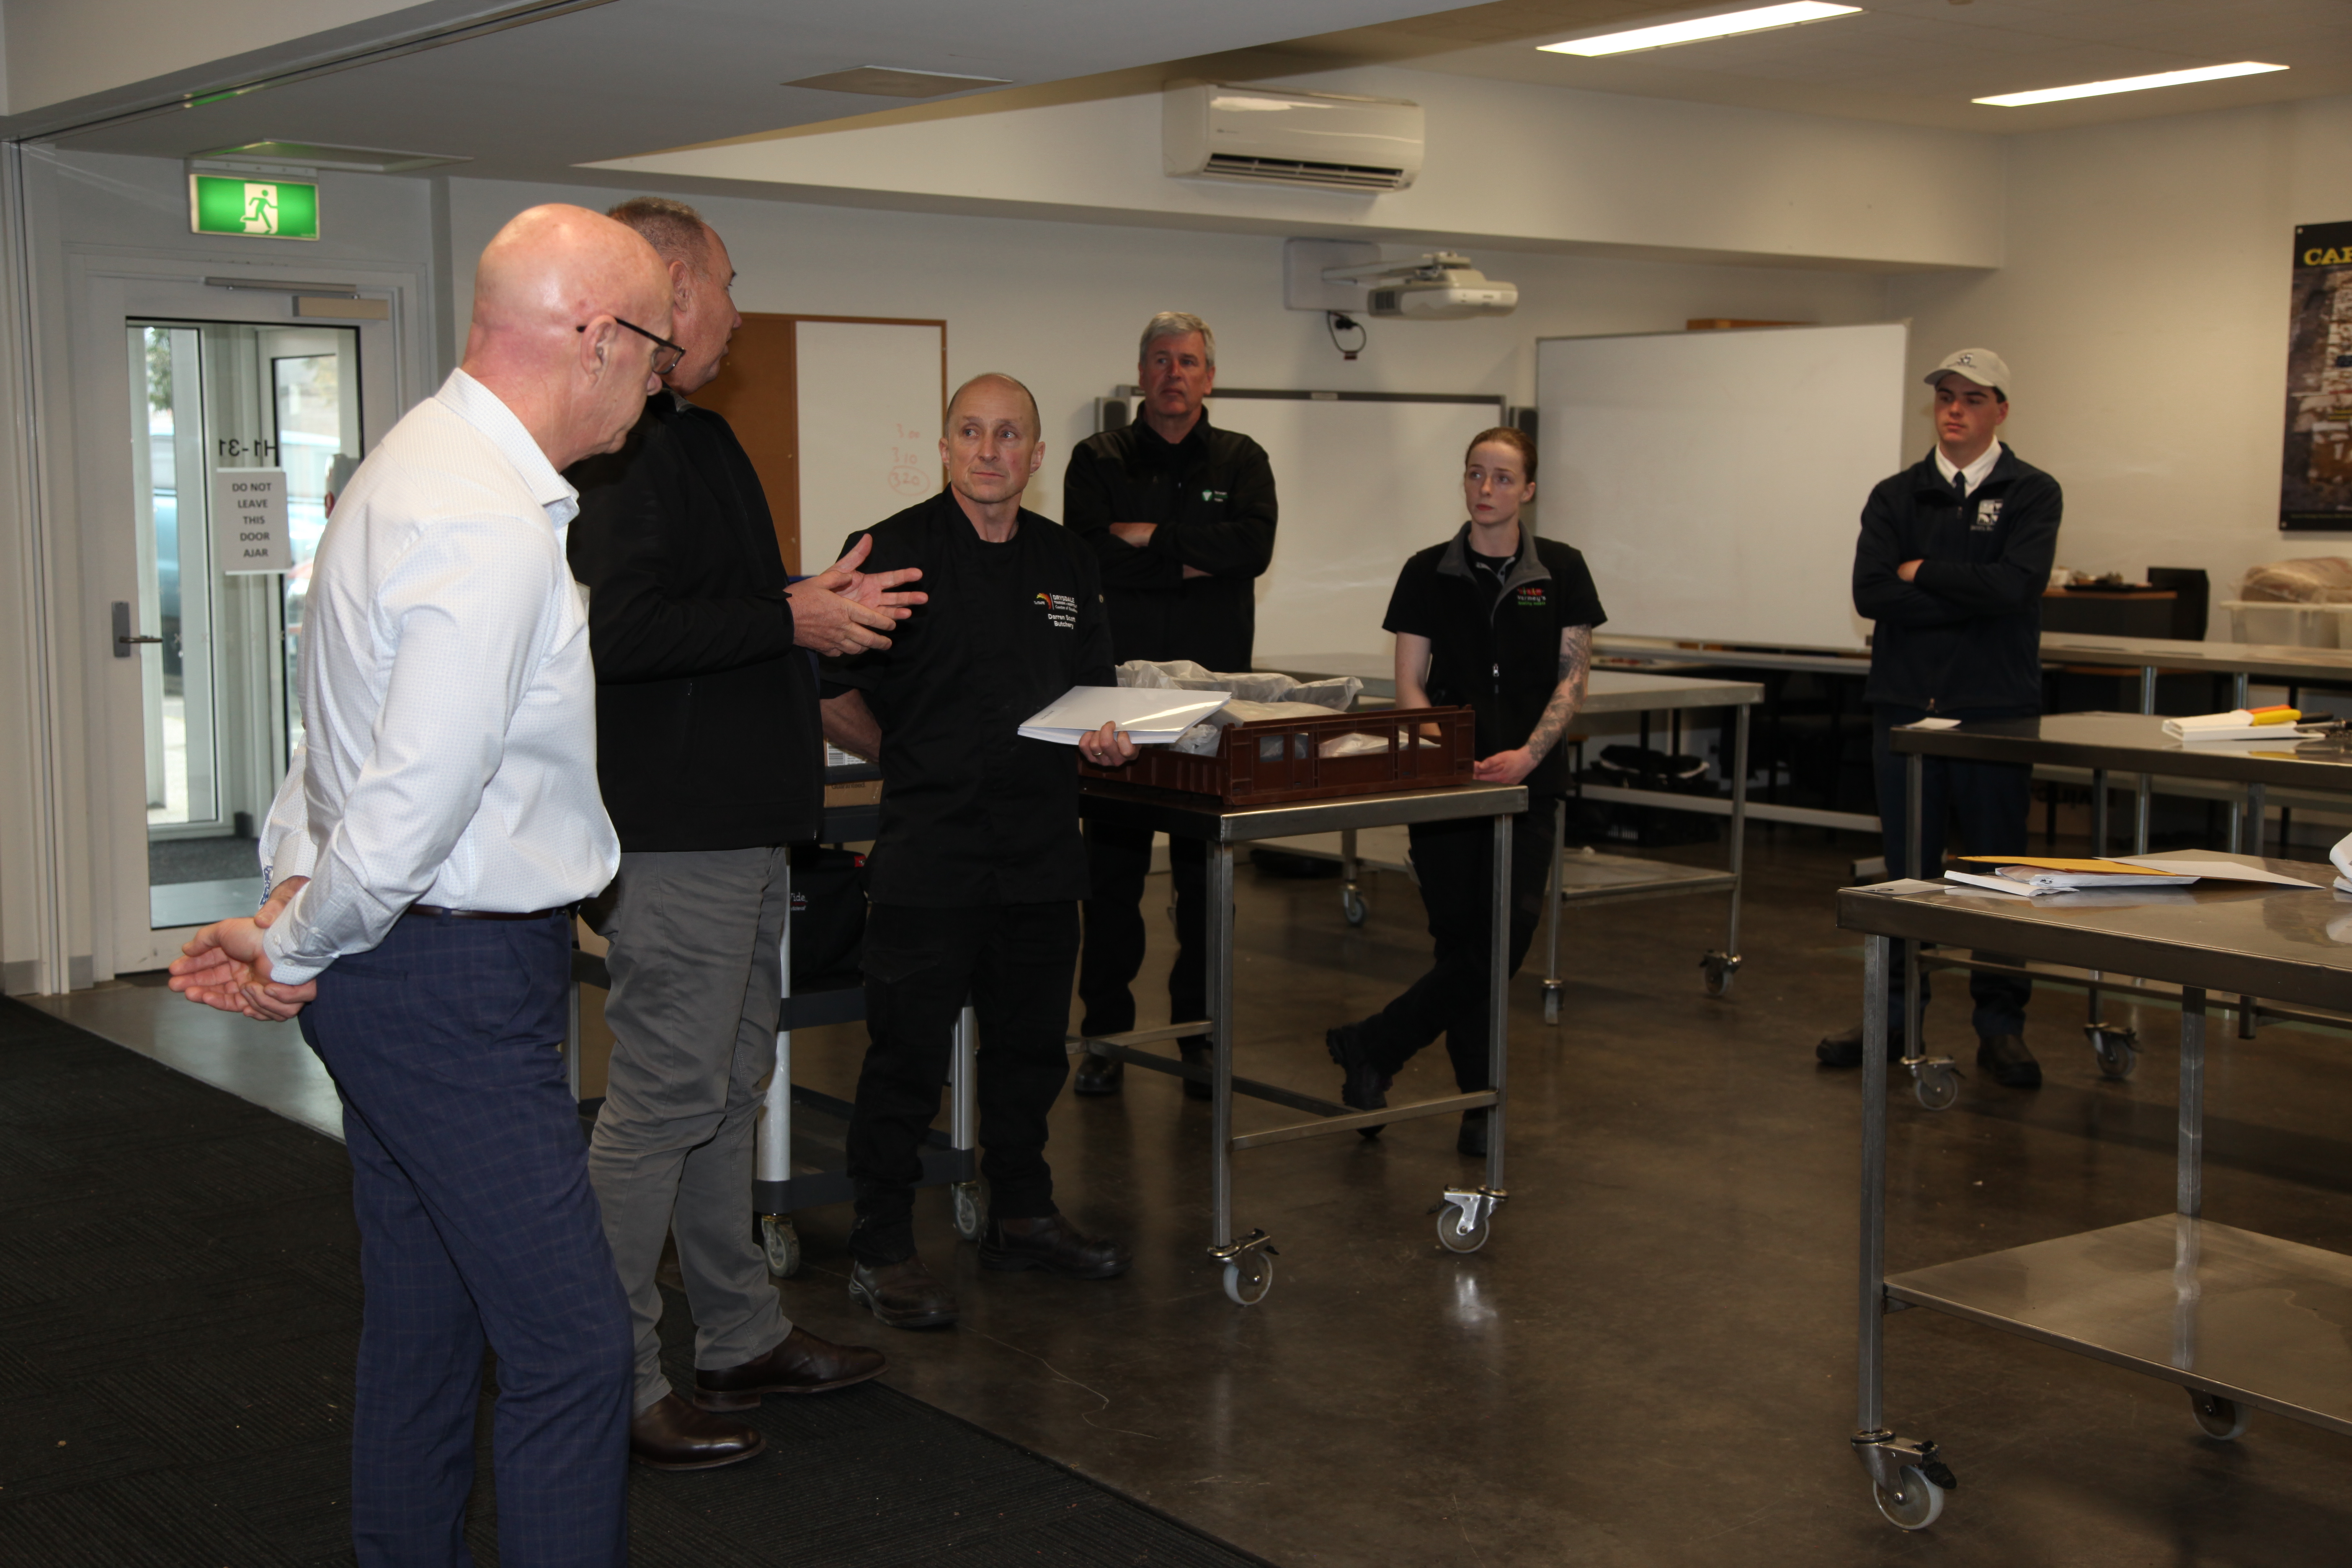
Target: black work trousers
[(1991, 803), (1013, 962), (1455, 862), (1118, 860)]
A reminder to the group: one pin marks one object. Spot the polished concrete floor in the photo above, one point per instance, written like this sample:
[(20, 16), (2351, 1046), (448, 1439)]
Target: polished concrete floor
[(1652, 1360)]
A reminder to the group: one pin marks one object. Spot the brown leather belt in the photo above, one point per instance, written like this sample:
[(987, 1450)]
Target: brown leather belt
[(437, 913)]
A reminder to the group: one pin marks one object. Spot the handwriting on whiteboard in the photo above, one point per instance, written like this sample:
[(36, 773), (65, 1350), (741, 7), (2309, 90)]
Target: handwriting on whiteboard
[(905, 471)]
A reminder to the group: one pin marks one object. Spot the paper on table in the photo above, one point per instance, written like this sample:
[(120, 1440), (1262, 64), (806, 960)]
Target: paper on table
[(2214, 870), (2115, 868), (1150, 717), (2044, 882), (1930, 724)]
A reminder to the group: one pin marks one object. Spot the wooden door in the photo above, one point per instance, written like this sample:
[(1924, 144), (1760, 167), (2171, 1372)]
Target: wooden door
[(755, 392), (840, 415)]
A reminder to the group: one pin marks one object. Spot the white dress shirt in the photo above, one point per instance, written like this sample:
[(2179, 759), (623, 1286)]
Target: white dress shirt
[(1976, 471), (448, 698)]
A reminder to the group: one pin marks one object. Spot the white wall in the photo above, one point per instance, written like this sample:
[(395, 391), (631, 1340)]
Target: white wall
[(2143, 310), (1059, 304), (1507, 162)]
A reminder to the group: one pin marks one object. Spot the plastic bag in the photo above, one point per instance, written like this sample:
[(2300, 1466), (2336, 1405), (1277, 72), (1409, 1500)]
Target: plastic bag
[(2311, 580)]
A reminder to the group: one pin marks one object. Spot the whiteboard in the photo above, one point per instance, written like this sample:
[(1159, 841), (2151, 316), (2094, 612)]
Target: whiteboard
[(1361, 485), (868, 397), (1714, 480)]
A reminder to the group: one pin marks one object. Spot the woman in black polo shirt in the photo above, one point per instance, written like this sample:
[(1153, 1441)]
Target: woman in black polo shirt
[(1502, 621)]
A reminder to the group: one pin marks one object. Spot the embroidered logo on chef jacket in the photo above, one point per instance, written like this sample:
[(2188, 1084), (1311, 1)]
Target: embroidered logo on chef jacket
[(1212, 495), (1061, 610), (1987, 514), (1531, 595)]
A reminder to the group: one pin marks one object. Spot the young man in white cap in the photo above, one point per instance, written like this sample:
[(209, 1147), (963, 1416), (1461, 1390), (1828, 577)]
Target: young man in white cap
[(1953, 556)]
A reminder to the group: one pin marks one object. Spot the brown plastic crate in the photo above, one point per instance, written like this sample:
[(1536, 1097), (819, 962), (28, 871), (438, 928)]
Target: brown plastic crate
[(1274, 760)]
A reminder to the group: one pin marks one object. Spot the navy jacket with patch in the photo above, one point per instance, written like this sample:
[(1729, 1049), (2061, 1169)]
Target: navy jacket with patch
[(1966, 632)]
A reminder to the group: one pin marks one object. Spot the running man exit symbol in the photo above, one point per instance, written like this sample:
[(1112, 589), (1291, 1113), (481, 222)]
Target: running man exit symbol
[(262, 209)]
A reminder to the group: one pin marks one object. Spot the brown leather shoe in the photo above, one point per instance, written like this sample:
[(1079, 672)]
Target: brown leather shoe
[(800, 1364), (1053, 1244), (903, 1295), (674, 1435)]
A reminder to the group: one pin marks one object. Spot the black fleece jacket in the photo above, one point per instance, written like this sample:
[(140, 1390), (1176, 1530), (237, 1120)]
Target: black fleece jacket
[(1213, 495), (707, 728), (1965, 631)]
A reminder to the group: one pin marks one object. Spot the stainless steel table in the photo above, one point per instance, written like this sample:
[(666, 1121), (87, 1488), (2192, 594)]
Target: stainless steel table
[(1463, 1220), (1586, 876), (2104, 742), (2242, 1321)]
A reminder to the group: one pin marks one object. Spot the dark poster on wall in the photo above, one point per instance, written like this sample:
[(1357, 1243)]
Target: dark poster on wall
[(2316, 490)]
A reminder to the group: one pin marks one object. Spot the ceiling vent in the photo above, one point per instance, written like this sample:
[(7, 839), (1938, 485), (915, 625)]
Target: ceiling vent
[(309, 157), (1273, 137)]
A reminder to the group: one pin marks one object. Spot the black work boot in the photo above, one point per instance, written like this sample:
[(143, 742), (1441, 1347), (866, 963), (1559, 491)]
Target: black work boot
[(1051, 1243), (1194, 1049), (2007, 1059), (1843, 1049), (1362, 1086), (904, 1295), (1098, 1075), (1470, 1142)]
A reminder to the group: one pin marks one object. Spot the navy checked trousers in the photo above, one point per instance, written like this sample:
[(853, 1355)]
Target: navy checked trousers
[(478, 1228)]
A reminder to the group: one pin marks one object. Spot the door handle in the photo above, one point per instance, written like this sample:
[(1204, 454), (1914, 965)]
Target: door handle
[(124, 638)]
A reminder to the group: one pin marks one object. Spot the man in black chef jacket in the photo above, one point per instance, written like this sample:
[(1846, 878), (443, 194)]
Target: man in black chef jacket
[(976, 875), (1180, 516)]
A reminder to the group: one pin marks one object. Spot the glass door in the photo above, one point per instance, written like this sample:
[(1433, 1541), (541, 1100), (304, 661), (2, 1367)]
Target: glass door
[(217, 688)]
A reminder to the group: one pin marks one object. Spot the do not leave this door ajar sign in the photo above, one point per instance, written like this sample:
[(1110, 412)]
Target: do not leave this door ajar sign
[(264, 210), (251, 530)]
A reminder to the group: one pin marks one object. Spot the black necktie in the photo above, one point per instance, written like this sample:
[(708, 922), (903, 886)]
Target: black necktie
[(1960, 487)]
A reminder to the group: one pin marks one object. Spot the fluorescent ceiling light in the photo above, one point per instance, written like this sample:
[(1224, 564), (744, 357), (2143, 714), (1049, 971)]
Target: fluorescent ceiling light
[(1669, 34), (2129, 84)]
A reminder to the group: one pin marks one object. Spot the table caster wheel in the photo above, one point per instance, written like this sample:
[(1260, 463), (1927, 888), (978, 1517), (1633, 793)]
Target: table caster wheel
[(781, 1243), (967, 1210), (1915, 1506), (2117, 1050), (2221, 1418), (1938, 1086), (1351, 904), (1248, 1277), (1551, 1001), (1457, 1236), (1717, 968)]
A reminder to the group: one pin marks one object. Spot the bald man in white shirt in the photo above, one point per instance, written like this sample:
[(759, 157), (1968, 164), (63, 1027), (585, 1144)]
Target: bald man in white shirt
[(430, 841)]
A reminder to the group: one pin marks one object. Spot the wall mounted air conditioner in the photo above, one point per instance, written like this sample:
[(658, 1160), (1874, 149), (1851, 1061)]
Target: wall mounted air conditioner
[(1289, 138)]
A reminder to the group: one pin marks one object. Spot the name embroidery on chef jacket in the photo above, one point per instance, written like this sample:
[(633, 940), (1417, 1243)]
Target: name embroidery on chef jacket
[(1061, 610), (1531, 596), (1987, 515)]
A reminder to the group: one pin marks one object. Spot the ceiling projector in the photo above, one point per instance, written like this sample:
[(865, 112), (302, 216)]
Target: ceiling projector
[(1439, 287)]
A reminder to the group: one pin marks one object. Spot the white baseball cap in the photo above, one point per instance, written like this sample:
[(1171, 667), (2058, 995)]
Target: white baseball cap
[(1983, 366)]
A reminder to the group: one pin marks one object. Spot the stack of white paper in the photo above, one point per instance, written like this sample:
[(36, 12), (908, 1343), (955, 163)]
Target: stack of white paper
[(2239, 724), (1147, 718)]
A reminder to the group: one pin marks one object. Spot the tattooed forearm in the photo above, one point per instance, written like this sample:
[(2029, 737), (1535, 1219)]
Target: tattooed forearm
[(1575, 670)]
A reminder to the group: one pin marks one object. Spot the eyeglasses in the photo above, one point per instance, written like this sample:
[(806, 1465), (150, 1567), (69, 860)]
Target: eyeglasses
[(667, 355)]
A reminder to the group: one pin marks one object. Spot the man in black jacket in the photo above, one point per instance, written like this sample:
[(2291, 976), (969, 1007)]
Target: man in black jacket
[(1180, 515), (976, 875), (1954, 557), (711, 763)]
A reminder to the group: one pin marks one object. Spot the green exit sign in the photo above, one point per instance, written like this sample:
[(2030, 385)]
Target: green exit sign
[(268, 209)]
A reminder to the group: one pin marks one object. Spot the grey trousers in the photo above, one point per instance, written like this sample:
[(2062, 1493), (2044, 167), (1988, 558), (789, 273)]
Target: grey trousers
[(693, 1013)]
